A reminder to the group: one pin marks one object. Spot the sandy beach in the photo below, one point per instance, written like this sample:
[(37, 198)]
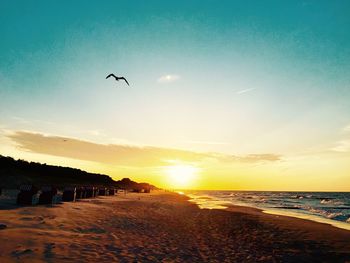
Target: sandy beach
[(162, 227)]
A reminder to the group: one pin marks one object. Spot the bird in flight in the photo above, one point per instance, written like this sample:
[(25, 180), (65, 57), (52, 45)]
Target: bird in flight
[(117, 78)]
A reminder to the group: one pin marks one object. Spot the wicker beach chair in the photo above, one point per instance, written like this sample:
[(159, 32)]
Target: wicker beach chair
[(103, 191), (83, 192), (47, 195), (89, 192), (69, 194), (26, 194), (96, 190), (111, 191), (79, 193)]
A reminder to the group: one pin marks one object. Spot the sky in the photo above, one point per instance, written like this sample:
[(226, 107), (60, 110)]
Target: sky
[(241, 95)]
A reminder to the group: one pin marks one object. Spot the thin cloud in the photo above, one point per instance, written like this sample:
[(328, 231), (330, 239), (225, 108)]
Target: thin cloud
[(206, 142), (168, 78), (342, 146), (96, 132), (122, 155), (251, 158), (245, 90), (347, 128)]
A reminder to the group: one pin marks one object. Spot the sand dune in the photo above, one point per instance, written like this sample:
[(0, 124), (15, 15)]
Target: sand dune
[(162, 227)]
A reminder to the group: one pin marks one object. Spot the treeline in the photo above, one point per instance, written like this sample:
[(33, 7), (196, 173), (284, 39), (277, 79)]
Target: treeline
[(15, 172)]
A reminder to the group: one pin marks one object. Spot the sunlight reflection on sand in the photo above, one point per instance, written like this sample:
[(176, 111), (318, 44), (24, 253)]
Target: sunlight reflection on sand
[(208, 202)]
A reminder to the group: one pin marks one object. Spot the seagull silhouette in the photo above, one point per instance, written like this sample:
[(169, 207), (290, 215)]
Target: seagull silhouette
[(117, 78)]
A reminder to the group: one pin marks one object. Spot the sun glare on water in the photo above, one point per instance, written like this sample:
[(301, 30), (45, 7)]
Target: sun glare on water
[(181, 176)]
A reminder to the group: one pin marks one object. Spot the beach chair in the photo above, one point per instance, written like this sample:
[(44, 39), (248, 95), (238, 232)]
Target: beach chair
[(83, 192), (26, 194), (103, 191), (89, 192), (96, 192), (47, 195), (111, 191), (69, 194), (79, 192)]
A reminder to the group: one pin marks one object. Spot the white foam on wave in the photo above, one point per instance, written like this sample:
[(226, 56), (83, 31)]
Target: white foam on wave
[(306, 206), (338, 224), (331, 201)]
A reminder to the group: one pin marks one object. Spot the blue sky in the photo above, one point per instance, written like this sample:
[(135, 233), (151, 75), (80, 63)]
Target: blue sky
[(244, 76)]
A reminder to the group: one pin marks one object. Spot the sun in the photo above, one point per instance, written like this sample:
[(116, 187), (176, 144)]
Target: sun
[(181, 176)]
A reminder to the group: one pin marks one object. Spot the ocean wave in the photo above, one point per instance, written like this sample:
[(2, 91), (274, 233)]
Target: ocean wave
[(324, 198), (291, 201), (334, 206), (297, 196), (287, 207), (325, 201), (328, 214), (331, 201), (334, 215)]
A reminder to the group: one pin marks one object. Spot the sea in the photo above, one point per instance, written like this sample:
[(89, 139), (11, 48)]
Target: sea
[(326, 207)]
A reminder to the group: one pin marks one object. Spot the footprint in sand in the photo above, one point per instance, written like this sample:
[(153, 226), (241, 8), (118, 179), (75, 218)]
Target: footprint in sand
[(25, 212), (95, 230), (49, 217), (26, 218), (18, 253), (48, 253), (114, 236), (35, 218)]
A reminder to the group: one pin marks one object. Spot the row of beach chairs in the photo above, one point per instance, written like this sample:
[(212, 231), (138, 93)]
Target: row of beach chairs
[(48, 194)]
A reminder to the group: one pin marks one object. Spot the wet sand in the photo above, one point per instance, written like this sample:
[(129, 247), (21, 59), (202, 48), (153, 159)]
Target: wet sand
[(162, 227)]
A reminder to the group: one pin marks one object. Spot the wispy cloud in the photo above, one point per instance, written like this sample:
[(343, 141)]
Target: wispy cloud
[(96, 132), (206, 142), (122, 155), (342, 146), (24, 121), (245, 90), (168, 78), (347, 128)]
